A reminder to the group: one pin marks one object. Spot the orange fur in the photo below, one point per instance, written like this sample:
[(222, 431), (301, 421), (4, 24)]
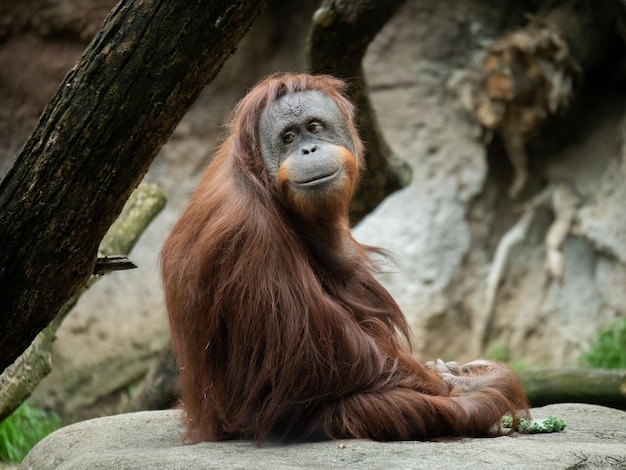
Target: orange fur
[(279, 328), (331, 204)]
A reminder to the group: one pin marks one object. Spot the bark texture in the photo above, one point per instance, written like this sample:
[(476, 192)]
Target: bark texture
[(94, 143)]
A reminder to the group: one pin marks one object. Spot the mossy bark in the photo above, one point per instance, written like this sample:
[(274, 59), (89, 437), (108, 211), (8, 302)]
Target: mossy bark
[(598, 386)]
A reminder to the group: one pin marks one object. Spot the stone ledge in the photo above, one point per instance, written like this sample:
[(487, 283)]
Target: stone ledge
[(595, 437)]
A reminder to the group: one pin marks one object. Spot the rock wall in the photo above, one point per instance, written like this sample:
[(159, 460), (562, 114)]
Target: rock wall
[(446, 228)]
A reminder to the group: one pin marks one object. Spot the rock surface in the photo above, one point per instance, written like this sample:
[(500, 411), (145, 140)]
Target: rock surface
[(595, 437)]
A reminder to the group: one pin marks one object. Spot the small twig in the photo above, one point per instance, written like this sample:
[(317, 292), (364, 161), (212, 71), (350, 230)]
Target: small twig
[(107, 264)]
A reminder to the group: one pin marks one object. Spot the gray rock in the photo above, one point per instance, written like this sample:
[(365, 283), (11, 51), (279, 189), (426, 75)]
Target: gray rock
[(595, 437)]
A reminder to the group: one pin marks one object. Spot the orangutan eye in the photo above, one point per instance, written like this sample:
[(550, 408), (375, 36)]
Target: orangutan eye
[(315, 126), (289, 137)]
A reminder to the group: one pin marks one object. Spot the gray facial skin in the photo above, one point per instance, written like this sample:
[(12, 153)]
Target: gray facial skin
[(304, 126)]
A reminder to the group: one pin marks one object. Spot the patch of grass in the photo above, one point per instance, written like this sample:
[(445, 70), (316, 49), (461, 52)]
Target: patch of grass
[(500, 353), (24, 428), (609, 350)]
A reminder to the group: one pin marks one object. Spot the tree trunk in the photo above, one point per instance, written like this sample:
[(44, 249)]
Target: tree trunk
[(339, 36), (94, 143)]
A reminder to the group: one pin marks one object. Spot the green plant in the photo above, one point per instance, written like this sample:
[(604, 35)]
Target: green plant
[(498, 352), (23, 429), (609, 350), (535, 426)]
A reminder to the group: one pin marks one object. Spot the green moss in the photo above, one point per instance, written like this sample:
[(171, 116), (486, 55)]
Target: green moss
[(24, 428)]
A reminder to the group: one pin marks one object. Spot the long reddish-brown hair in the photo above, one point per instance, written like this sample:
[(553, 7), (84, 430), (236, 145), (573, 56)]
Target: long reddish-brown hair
[(279, 333)]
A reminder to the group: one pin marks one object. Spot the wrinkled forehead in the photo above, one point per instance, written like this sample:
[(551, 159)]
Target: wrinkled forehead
[(294, 107)]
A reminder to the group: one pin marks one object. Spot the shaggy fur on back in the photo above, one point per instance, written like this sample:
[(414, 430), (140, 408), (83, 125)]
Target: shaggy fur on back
[(278, 326)]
